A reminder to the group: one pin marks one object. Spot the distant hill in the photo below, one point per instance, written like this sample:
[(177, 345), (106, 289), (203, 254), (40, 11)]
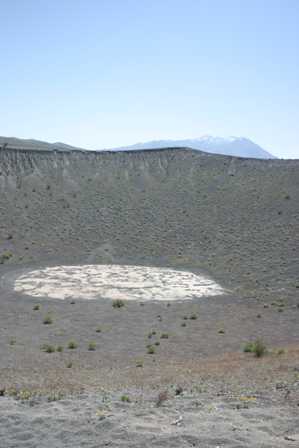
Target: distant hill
[(30, 144), (234, 146)]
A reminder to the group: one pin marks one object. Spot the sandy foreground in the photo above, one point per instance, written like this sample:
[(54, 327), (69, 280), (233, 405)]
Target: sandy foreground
[(198, 388), (100, 420)]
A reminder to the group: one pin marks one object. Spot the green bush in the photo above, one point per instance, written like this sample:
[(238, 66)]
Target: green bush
[(257, 347)]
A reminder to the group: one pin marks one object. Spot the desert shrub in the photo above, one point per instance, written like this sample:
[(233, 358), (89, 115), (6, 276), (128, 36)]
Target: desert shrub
[(25, 394), (249, 347), (69, 365), (193, 316), (47, 348), (59, 348), (139, 363), (47, 319), (178, 390), (151, 350), (98, 330), (221, 331), (36, 307), (5, 256), (72, 345), (162, 397), (55, 396), (184, 324), (118, 303), (164, 336), (257, 347), (125, 399), (92, 346), (12, 341), (280, 351)]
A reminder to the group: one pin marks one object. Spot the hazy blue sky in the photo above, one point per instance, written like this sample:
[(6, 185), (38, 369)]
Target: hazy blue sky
[(104, 73)]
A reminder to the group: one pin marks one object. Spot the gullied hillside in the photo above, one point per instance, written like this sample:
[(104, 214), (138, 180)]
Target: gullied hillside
[(237, 219)]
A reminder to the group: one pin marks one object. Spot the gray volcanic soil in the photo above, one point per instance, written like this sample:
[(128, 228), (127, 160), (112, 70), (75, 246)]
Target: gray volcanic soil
[(234, 219)]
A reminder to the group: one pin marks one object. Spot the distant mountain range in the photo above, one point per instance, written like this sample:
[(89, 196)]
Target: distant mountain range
[(234, 146)]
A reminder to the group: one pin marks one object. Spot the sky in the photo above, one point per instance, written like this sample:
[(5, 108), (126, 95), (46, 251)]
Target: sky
[(107, 73)]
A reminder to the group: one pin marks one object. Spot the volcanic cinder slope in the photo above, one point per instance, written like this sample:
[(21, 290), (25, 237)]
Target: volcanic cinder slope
[(232, 220)]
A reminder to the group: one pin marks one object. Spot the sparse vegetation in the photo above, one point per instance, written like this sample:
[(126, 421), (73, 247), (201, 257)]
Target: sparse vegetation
[(55, 396), (47, 348), (48, 320), (162, 397), (98, 330), (5, 256), (72, 345), (151, 334), (91, 346), (151, 350), (12, 341), (280, 351), (118, 303), (24, 395), (178, 390), (125, 399), (36, 307), (164, 336), (257, 347), (59, 348)]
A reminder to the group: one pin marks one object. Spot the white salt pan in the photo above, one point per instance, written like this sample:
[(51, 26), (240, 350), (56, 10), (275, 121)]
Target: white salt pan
[(115, 282)]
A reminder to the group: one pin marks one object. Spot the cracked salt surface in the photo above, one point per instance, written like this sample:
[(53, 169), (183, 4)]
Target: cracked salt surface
[(116, 282)]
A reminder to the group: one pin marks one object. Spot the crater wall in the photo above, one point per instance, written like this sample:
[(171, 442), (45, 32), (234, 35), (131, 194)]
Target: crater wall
[(236, 218)]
